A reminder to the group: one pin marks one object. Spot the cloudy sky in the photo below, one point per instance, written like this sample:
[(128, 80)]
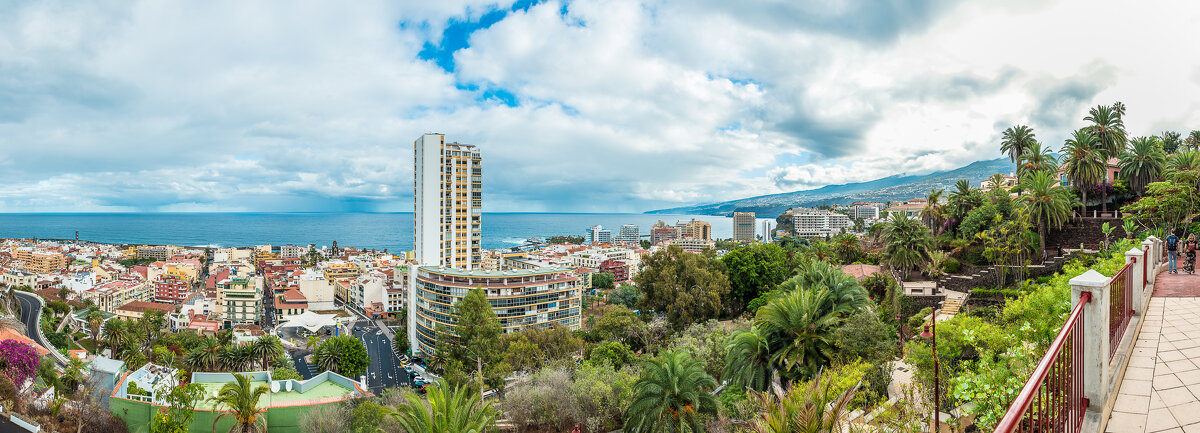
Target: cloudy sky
[(581, 106)]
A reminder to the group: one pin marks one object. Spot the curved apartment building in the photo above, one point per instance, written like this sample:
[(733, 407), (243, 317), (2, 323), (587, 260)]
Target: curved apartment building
[(520, 298)]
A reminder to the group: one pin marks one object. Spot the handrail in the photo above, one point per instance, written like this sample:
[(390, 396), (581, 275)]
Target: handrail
[(1120, 301), (1012, 420)]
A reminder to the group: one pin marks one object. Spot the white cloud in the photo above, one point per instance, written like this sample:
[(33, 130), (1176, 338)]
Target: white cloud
[(624, 105)]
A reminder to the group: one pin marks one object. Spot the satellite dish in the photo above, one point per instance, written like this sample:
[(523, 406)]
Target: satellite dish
[(274, 386), (287, 385)]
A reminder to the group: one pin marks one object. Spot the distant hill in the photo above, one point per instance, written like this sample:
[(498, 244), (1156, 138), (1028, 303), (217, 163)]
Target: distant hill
[(897, 187)]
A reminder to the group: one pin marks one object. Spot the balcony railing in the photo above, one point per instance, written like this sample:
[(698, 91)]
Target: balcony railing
[(1120, 306), (1052, 400)]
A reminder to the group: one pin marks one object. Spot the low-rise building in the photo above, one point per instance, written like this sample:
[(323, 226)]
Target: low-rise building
[(171, 288), (290, 303), (662, 232), (618, 269), (137, 309), (113, 294), (19, 278), (293, 251)]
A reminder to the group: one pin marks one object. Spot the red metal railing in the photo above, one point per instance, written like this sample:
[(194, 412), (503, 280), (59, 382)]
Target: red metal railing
[(1145, 269), (1052, 400), (1120, 306)]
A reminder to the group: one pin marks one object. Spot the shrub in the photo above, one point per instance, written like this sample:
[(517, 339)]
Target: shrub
[(918, 319), (951, 265)]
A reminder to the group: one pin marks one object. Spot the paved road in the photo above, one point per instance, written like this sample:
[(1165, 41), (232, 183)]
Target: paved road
[(385, 370), (31, 310)]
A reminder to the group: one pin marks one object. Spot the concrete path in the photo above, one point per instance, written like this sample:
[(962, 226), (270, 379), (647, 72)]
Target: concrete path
[(1161, 389)]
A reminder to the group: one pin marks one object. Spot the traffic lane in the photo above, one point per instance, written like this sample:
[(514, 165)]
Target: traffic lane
[(384, 370), (29, 316)]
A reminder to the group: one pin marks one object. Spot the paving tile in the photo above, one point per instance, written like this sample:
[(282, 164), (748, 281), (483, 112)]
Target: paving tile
[(1181, 366), (1188, 377), (1136, 387), (1170, 355), (1139, 403), (1175, 397), (1159, 419), (1126, 423), (1188, 413), (1166, 381), (1193, 428), (1141, 361), (1139, 373)]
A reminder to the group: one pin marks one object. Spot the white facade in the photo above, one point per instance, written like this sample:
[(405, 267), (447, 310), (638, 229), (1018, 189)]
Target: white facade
[(447, 198), (317, 290), (866, 212), (812, 223), (292, 251), (597, 235), (629, 233)]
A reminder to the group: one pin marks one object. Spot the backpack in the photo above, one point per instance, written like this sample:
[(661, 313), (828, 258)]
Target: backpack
[(1171, 241)]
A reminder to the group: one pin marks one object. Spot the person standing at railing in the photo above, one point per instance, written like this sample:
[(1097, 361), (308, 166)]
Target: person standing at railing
[(1172, 252)]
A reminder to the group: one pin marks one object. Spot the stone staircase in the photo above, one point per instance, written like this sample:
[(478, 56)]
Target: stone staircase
[(951, 306)]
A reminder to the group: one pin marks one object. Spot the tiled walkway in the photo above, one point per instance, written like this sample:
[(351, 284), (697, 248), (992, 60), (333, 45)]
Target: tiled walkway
[(1161, 389)]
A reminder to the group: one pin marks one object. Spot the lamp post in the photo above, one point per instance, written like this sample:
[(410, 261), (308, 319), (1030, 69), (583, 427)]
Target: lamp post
[(933, 339)]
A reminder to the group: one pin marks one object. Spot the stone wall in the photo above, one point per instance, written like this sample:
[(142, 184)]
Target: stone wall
[(1085, 231)]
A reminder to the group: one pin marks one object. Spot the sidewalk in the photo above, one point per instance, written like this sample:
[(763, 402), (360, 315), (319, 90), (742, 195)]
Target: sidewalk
[(1161, 388)]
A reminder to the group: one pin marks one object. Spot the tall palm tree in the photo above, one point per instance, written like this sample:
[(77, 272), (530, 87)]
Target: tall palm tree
[(449, 410), (1143, 162), (206, 356), (933, 214), (907, 243), (1109, 130), (1119, 108), (671, 395), (1193, 140), (1038, 158), (1171, 141), (236, 357), (1082, 163), (801, 324), (748, 361), (1184, 160), (1047, 203), (266, 348), (1016, 140), (240, 399), (95, 320)]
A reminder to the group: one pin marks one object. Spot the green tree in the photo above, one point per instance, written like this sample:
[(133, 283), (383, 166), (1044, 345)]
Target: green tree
[(816, 408), (617, 323), (240, 400), (344, 355), (1082, 163), (445, 410), (95, 320), (687, 287), (1167, 204), (1142, 163), (477, 346), (613, 353), (177, 415), (625, 294), (1184, 160), (286, 373), (933, 215), (754, 270), (846, 294), (907, 243), (1048, 204), (1193, 140), (602, 280), (671, 396), (1171, 141)]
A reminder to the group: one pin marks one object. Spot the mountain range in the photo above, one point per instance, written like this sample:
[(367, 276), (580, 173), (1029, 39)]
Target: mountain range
[(895, 187)]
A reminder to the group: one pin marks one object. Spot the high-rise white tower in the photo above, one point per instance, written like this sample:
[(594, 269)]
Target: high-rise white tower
[(447, 199)]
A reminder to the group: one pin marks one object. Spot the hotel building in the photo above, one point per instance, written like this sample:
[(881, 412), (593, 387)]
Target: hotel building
[(743, 226), (520, 298)]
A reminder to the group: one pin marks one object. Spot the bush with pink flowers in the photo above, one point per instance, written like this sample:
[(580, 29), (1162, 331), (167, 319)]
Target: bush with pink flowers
[(18, 361)]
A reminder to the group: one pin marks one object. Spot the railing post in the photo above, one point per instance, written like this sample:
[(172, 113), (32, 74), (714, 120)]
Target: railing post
[(1139, 284), (1149, 247), (1095, 332)]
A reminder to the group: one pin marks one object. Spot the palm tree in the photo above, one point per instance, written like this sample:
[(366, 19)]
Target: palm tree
[(1016, 140), (1038, 158), (1119, 108), (327, 358), (1109, 130), (816, 408), (846, 293), (236, 357), (748, 361), (1082, 163), (1143, 162), (1171, 141), (313, 341), (449, 410), (1193, 140), (241, 401), (206, 356), (116, 334), (266, 348), (907, 242), (800, 324), (95, 320), (1047, 203), (670, 396), (933, 213), (1184, 160)]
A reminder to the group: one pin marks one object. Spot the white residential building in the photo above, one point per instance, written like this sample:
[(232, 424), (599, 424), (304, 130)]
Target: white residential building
[(597, 235), (448, 183), (818, 222)]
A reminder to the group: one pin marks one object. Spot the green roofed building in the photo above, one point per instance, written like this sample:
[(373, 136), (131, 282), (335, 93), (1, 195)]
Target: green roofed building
[(286, 402)]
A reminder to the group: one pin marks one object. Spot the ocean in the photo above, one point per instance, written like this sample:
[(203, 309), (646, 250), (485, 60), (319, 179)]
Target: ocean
[(393, 231)]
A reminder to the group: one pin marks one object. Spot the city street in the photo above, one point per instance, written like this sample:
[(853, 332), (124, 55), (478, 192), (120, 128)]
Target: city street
[(31, 306), (385, 370)]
